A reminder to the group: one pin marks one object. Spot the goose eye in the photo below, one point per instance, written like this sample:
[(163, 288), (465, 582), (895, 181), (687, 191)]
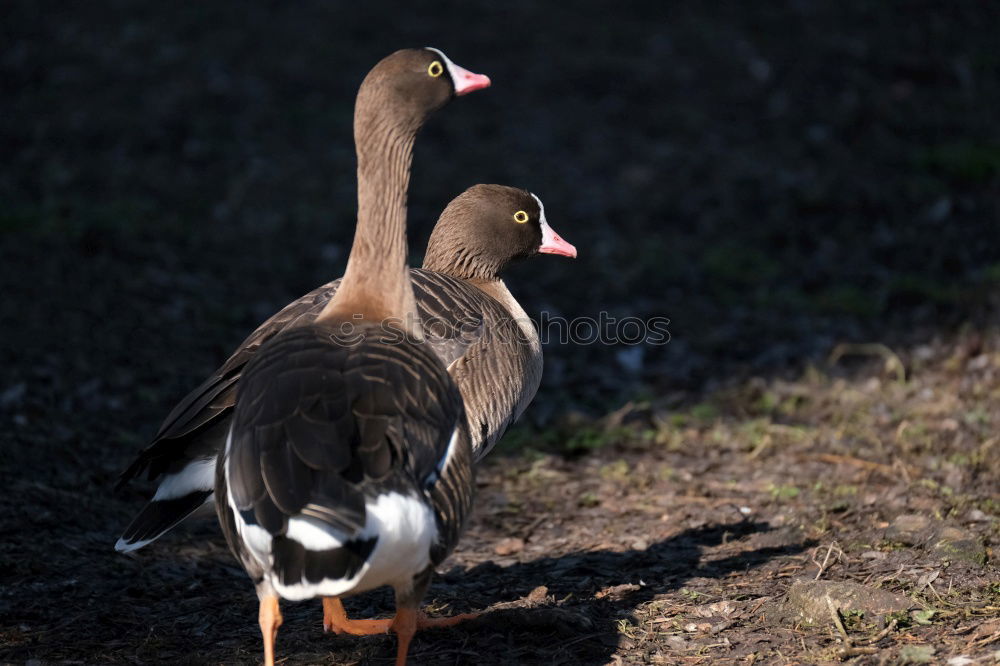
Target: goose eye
[(435, 69), (520, 217)]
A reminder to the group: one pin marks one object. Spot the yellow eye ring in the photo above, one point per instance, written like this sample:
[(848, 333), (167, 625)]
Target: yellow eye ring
[(520, 217), (435, 69)]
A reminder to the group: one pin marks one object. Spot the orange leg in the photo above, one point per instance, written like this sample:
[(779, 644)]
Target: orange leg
[(408, 621), (335, 620), (405, 625), (270, 619)]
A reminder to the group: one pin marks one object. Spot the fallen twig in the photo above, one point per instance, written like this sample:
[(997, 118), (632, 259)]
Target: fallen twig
[(838, 459), (889, 628), (826, 558), (848, 652), (835, 616)]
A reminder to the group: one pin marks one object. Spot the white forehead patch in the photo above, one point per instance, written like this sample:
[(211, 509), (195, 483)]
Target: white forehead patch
[(547, 234), (541, 210), (453, 71)]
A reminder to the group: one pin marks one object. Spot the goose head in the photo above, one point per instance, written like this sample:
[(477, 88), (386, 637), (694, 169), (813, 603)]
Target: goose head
[(486, 228), (411, 84)]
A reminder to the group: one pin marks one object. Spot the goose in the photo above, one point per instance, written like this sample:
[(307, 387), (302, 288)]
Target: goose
[(477, 236), (183, 453), (348, 463)]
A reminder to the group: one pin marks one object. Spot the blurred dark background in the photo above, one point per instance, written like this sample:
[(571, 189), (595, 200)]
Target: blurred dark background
[(776, 178), (773, 177)]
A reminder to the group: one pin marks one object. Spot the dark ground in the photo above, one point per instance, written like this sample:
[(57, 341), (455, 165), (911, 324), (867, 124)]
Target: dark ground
[(776, 178)]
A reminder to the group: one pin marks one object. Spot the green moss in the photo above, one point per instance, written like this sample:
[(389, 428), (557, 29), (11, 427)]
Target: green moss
[(704, 412), (616, 471), (965, 161), (783, 492)]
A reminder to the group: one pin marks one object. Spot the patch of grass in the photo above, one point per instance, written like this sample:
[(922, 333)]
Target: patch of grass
[(590, 438), (783, 492), (739, 264), (853, 619), (704, 412), (902, 618), (699, 414), (693, 595), (919, 288), (964, 161), (616, 471), (848, 300), (526, 440)]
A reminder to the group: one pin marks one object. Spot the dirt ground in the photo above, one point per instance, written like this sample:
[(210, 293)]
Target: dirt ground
[(806, 474), (709, 534)]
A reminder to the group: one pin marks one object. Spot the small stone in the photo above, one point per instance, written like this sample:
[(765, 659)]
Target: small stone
[(640, 544), (916, 654), (808, 598), (693, 628), (977, 516), (538, 595), (677, 642), (509, 546), (910, 529), (955, 543)]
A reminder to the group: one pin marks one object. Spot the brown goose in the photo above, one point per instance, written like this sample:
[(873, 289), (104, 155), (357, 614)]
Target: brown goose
[(477, 236), (182, 456), (348, 463)]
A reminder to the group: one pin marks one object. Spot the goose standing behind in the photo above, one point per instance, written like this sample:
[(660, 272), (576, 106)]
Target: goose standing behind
[(480, 232), (348, 463), (476, 237)]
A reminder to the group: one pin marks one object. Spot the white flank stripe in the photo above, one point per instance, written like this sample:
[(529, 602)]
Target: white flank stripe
[(449, 452), (255, 537), (197, 476), (405, 528), (313, 535)]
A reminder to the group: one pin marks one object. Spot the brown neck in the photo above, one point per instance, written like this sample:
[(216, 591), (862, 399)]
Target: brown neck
[(458, 261), (376, 284)]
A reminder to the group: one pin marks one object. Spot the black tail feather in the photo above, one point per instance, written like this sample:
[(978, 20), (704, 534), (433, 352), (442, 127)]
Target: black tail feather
[(158, 517)]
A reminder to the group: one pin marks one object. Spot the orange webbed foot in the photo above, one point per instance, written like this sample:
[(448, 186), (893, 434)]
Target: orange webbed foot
[(335, 619)]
